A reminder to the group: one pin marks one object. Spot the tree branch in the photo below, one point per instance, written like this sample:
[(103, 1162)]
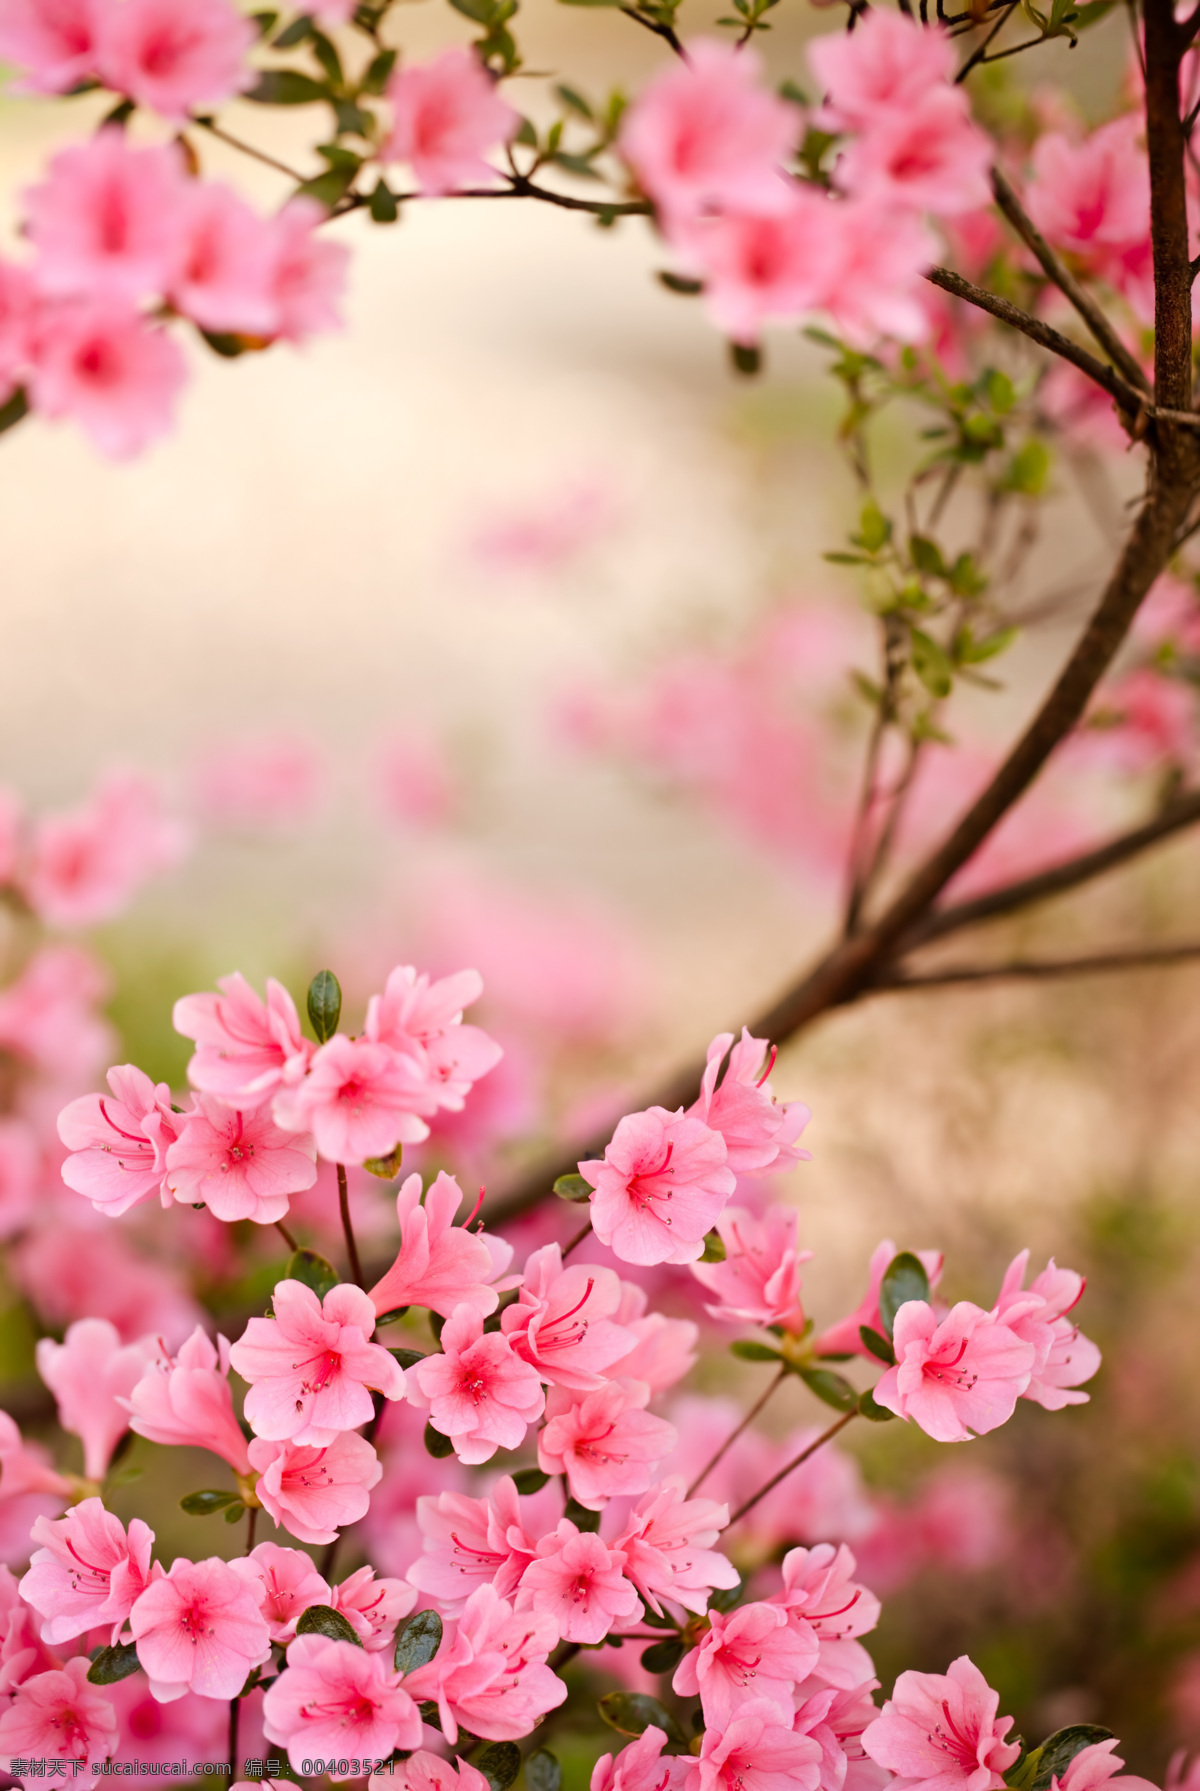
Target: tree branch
[(1038, 970), (1165, 142)]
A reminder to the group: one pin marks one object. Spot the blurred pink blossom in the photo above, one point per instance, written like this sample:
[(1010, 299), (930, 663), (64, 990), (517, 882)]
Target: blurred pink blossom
[(447, 115), (84, 866), (546, 536), (91, 1375), (223, 281), (887, 66), (260, 780), (30, 1489), (414, 780), (102, 365), (186, 1400), (54, 41), (175, 56), (20, 1175), (107, 1279), (1093, 198), (308, 273), (106, 223)]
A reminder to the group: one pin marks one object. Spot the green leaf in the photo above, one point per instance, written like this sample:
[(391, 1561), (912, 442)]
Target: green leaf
[(386, 1168), (932, 663), (530, 1480), (788, 90), (590, 2), (329, 59), (966, 580), (875, 530), (112, 1664), (904, 1279), (206, 1504), (999, 389), (229, 347), (580, 1516), (14, 411), (745, 358), (659, 1620), (677, 283), (352, 120), (286, 87), (384, 209), (407, 1358), (328, 188), (323, 1620), (500, 1763), (379, 73), (749, 1351), (926, 556), (235, 1513), (293, 34), (868, 1407), (417, 1641), (481, 12), (632, 1713), (574, 102), (313, 1270), (714, 1249), (973, 652), (1027, 469), (437, 1445), (264, 22), (660, 1657), (725, 1597), (324, 1005), (1061, 1748), (833, 1388), (879, 1346), (573, 1187), (542, 1771)]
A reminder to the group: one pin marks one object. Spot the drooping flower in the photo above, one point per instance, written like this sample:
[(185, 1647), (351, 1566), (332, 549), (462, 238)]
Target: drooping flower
[(491, 1675), (119, 1142), (359, 1100), (821, 1595), (760, 1135), (957, 1378), (106, 222), (91, 1374), (313, 1492), (665, 1349), (759, 1280), (642, 1766), (175, 56), (440, 1265), (1065, 1357), (606, 1444), (285, 1583), (87, 1571), (186, 1399), (580, 1582), (747, 1656), (240, 1165), (246, 1048), (310, 1367), (756, 1751), (471, 1542), (562, 1323), (373, 1606), (940, 1731), (54, 41), (477, 1391), (660, 1188), (199, 1628), (446, 117), (667, 1544), (59, 1716), (844, 1338), (334, 1699), (103, 366)]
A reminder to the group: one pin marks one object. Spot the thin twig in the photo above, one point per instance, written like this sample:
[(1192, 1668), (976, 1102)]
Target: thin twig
[(258, 155), (978, 55), (235, 1710), (347, 1228), (825, 1437), (660, 30), (286, 1235), (1031, 969), (733, 1436), (251, 1526), (576, 1240)]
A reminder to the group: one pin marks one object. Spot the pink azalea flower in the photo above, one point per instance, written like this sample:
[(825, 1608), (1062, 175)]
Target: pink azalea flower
[(186, 1400), (429, 1772), (879, 253), (87, 1571), (469, 1542), (1064, 1355), (760, 1135), (54, 41), (607, 1444), (708, 134), (749, 1654), (425, 1020), (107, 1280), (579, 1582), (665, 1349), (668, 1547), (957, 1378), (358, 1100), (199, 1628), (821, 1595), (334, 1699), (940, 1731), (756, 1752), (660, 1188), (119, 1143), (642, 1766), (106, 222), (759, 1281), (491, 1675), (373, 1606), (175, 56), (477, 1392), (1093, 198), (223, 280), (17, 308), (85, 865), (846, 1715), (312, 1492), (114, 374), (757, 270), (446, 116), (932, 157), (562, 1323), (245, 1048), (30, 1489), (20, 1175), (843, 1338), (22, 1652), (91, 1375), (260, 780), (888, 65), (308, 273), (240, 1165), (48, 1016), (440, 1265), (1141, 722), (1098, 1765), (311, 1368), (284, 1583), (59, 1716)]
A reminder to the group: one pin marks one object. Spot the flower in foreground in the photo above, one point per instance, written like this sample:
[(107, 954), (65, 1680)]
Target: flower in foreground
[(642, 1766), (59, 1716), (446, 116), (333, 1699), (186, 1400), (660, 1187), (606, 1444), (956, 1379), (199, 1628), (313, 1491), (311, 1368), (491, 1676), (478, 1392), (241, 1165), (440, 1265), (87, 1571), (580, 1582), (748, 1655), (940, 1730), (756, 1751)]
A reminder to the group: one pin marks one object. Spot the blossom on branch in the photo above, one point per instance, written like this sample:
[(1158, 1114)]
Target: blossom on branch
[(759, 1280), (440, 1265), (313, 1491), (241, 1165), (956, 1378), (199, 1628), (941, 1731), (642, 1766), (335, 1699), (186, 1400), (175, 56), (660, 1187), (491, 1675), (1065, 1357), (59, 1716), (667, 1544), (580, 1582), (310, 1367), (477, 1391), (469, 1542), (821, 1596), (446, 116), (285, 1583), (373, 1607), (54, 41), (607, 1444), (562, 1323), (87, 1572), (119, 1142), (749, 1655), (756, 1751), (358, 1100)]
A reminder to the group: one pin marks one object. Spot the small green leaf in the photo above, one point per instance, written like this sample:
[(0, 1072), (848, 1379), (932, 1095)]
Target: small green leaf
[(235, 1513), (293, 34), (500, 1763), (313, 1270), (229, 347), (407, 1358), (437, 1445), (286, 87), (745, 358), (875, 530), (389, 1318), (481, 12), (749, 1351), (878, 1345), (714, 1249), (581, 1517), (112, 1664), (999, 388), (661, 1657), (868, 1407), (417, 1641), (329, 59), (1027, 469), (573, 1187), (386, 1168), (725, 1597), (384, 209), (323, 1620), (926, 556), (632, 1713), (379, 73), (904, 1279), (847, 559), (833, 1388), (542, 1771), (328, 188), (677, 283), (14, 411), (973, 652), (574, 101), (932, 663), (264, 22), (530, 1480), (324, 1005), (659, 1620), (1061, 1748), (206, 1504)]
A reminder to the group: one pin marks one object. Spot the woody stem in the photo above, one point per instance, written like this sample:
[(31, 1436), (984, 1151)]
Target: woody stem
[(235, 1708), (286, 1235), (577, 1239), (733, 1436), (356, 1273), (825, 1437), (252, 1524)]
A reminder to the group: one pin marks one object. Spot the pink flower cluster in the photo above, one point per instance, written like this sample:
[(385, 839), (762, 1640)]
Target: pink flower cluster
[(713, 147)]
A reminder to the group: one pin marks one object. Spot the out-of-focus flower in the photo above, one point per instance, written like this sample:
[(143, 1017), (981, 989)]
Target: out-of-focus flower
[(885, 67), (446, 117), (107, 221), (175, 56), (102, 365), (20, 1175), (223, 282), (262, 780), (85, 866), (91, 1373), (186, 1400), (931, 157), (54, 41), (30, 1488), (308, 274), (1093, 198), (107, 1279)]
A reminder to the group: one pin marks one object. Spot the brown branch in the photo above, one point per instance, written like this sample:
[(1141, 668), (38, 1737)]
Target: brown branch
[(1165, 142), (979, 53), (1068, 285), (826, 1436), (1043, 970)]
